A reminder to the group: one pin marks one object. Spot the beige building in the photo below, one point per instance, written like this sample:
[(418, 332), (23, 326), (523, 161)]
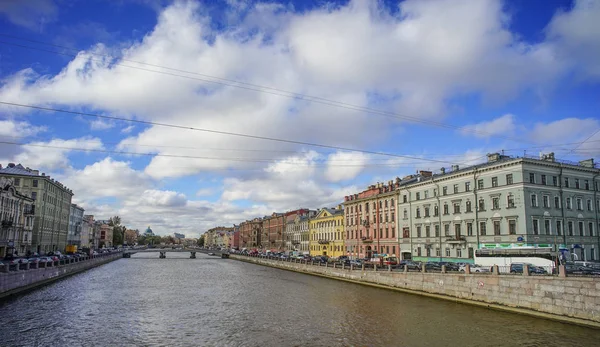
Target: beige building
[(53, 203), (16, 220)]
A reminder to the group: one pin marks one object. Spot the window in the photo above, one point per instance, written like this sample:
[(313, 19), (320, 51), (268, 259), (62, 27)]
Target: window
[(512, 227), (554, 181), (426, 193), (393, 232), (447, 252), (544, 179), (591, 228), (392, 203), (496, 227), (445, 208), (17, 182), (577, 183), (418, 231), (556, 202), (468, 206), (446, 229), (393, 216), (418, 196), (469, 229), (35, 183), (482, 230), (457, 231), (455, 188), (467, 186), (559, 227), (546, 201), (536, 227), (494, 181), (445, 191), (481, 205), (569, 204), (418, 251), (592, 254), (531, 177), (480, 184), (587, 185), (434, 192), (418, 213), (547, 226), (509, 179), (459, 252), (405, 233), (580, 225), (589, 205), (566, 182), (404, 198), (437, 231), (579, 205), (495, 203), (437, 252), (34, 195), (405, 214), (428, 252), (427, 231), (510, 201), (456, 208), (534, 202), (426, 211), (570, 227), (436, 211)]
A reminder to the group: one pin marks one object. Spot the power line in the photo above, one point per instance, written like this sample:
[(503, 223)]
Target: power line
[(584, 141), (261, 89), (217, 132)]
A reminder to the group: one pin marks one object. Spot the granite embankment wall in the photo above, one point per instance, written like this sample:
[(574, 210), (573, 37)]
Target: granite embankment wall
[(16, 282), (568, 299)]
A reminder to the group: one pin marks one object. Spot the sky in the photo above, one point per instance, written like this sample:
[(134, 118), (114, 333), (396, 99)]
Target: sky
[(192, 96)]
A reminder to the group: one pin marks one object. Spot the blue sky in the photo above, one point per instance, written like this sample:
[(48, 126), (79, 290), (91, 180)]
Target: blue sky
[(460, 79)]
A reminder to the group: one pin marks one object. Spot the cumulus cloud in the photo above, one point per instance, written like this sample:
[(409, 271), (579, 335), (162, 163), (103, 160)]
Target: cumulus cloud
[(342, 166), (100, 124), (504, 126), (53, 154), (581, 135), (12, 128)]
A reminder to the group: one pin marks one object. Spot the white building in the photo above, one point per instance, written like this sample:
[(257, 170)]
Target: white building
[(16, 219)]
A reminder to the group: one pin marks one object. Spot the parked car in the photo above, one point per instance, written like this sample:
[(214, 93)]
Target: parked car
[(412, 265), (517, 268), (475, 268)]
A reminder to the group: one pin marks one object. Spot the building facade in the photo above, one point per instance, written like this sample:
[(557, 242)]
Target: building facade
[(53, 204), (371, 222), (16, 220), (326, 233), (87, 232), (75, 225), (217, 237), (251, 233), (273, 229), (297, 230), (503, 203), (105, 231)]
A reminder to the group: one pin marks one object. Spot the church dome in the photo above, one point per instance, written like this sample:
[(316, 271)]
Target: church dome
[(148, 232)]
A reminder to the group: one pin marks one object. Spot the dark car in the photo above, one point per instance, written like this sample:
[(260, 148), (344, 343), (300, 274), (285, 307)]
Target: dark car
[(412, 265), (517, 268)]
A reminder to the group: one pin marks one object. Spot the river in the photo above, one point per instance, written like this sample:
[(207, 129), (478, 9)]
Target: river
[(146, 301)]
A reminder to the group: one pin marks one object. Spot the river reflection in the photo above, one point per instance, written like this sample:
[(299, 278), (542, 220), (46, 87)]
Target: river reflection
[(146, 301)]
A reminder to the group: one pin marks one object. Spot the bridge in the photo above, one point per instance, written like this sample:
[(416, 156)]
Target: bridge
[(163, 252)]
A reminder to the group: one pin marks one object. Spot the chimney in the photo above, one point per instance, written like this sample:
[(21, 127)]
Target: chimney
[(587, 163), (11, 165), (43, 174), (443, 170), (455, 167), (492, 157), (36, 172), (425, 173)]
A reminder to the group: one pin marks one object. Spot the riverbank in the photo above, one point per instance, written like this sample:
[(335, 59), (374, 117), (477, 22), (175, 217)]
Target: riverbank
[(21, 281), (572, 300)]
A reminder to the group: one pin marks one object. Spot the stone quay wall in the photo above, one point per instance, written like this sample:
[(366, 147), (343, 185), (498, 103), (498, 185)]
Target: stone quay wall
[(568, 299), (25, 277)]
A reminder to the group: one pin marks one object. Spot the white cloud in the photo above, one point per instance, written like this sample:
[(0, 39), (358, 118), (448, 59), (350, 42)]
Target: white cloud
[(53, 154), (504, 126), (162, 198), (342, 166), (12, 128), (573, 131), (127, 129), (31, 14), (100, 124)]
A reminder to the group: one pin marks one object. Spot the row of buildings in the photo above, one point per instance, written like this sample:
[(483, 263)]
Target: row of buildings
[(503, 203), (37, 216)]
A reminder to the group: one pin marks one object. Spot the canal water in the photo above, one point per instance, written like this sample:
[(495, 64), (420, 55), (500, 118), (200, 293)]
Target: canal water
[(146, 301)]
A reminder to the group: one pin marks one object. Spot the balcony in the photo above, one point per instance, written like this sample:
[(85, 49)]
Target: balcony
[(455, 240), (295, 242), (323, 242), (7, 223), (366, 239)]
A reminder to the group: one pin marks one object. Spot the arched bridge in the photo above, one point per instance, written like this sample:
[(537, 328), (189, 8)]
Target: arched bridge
[(163, 252)]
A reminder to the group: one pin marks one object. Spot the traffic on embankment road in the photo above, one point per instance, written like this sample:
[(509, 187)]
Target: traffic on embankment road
[(574, 300), (21, 277)]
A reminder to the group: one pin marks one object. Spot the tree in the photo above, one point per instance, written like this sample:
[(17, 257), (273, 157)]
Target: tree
[(114, 221), (201, 241)]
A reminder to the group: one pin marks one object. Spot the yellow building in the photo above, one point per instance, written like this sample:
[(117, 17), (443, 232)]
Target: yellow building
[(326, 233)]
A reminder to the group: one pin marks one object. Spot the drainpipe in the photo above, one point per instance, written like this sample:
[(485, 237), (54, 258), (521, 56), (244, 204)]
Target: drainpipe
[(596, 209), (439, 206), (562, 206), (475, 190), (410, 221), (377, 219)]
